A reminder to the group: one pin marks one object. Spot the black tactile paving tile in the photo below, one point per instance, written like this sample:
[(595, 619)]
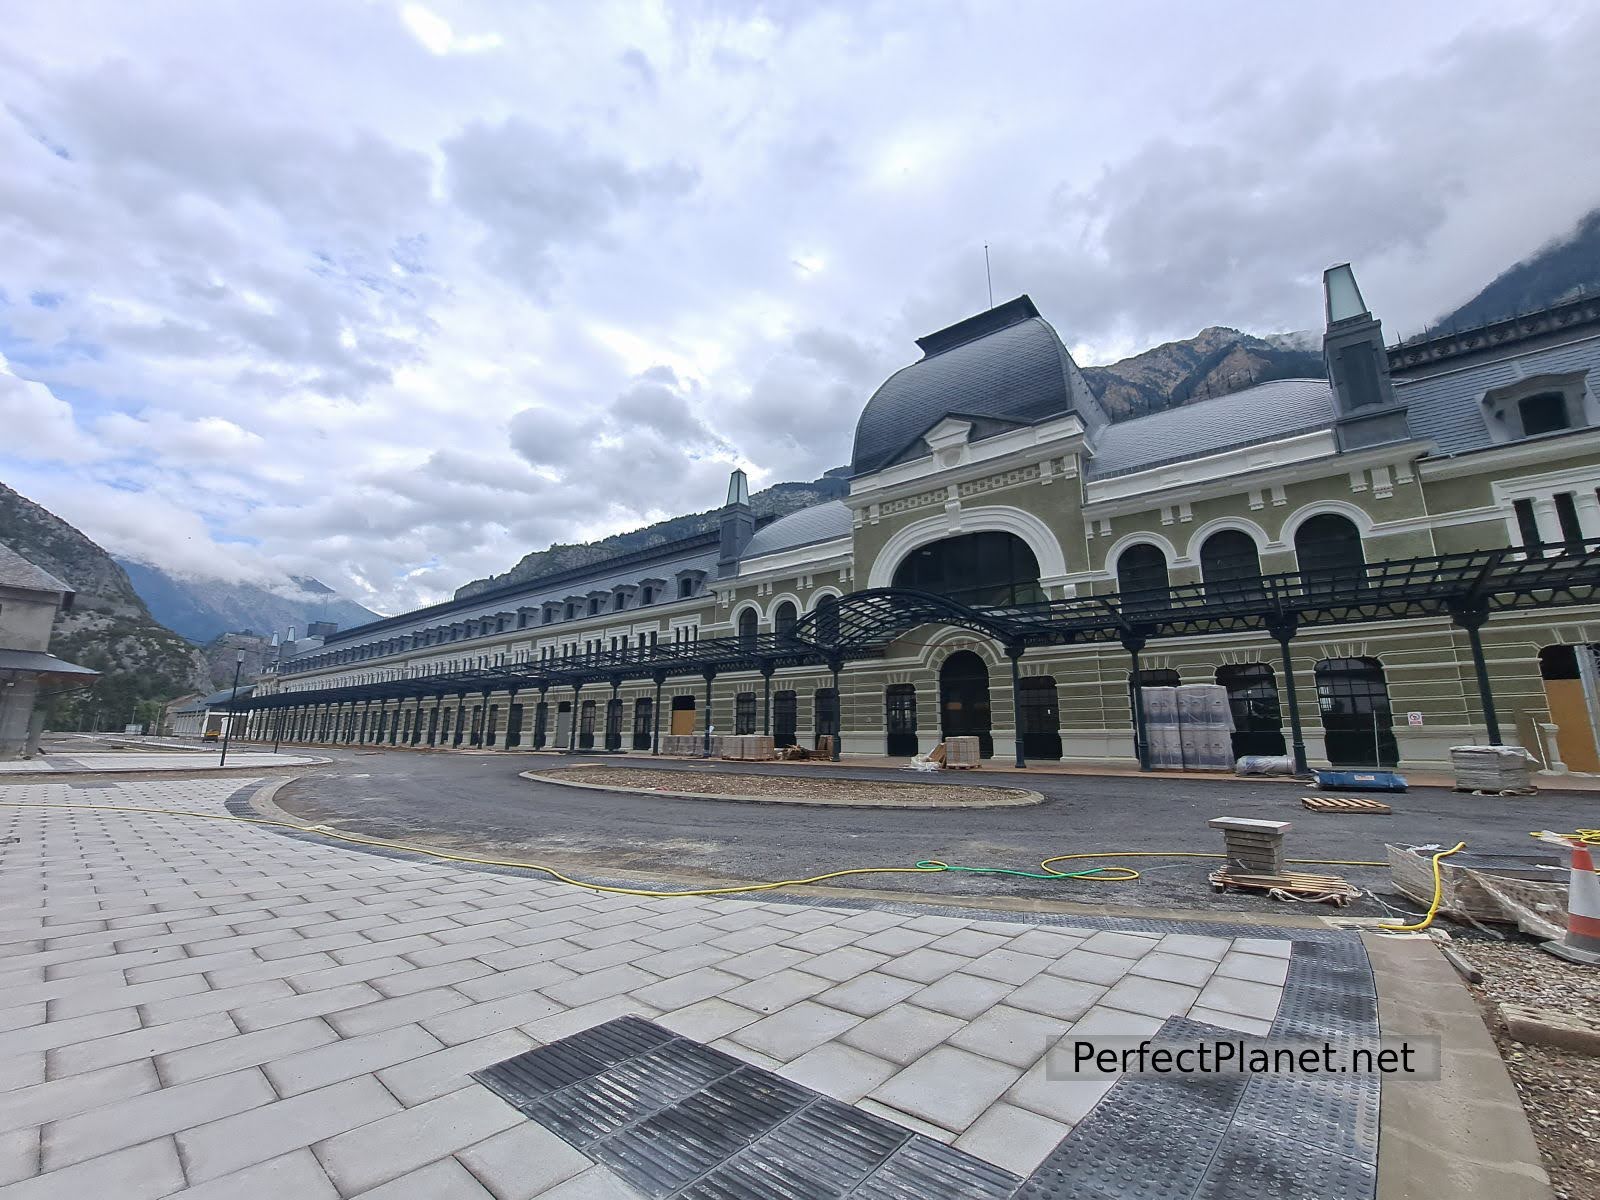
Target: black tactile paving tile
[(621, 1038), (1339, 1112), (538, 1073), (1256, 1164), (922, 1167)]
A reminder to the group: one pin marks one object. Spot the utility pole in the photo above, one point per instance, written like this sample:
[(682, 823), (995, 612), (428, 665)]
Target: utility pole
[(227, 728)]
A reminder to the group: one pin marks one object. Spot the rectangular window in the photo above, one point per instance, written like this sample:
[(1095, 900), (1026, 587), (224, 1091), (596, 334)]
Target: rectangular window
[(1567, 514), (1527, 524)]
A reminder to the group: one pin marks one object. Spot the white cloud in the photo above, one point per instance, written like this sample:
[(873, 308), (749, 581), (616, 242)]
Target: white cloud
[(434, 32)]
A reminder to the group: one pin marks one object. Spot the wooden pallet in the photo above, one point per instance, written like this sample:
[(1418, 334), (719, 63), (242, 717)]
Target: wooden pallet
[(1344, 804), (1301, 885)]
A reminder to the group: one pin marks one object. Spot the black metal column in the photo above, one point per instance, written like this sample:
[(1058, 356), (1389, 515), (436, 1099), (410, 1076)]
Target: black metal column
[(485, 735), (461, 711), (709, 673), (766, 696), (1284, 628), (541, 735), (834, 665), (616, 705), (1471, 615), (660, 678), (572, 725), (1014, 653), (1133, 643)]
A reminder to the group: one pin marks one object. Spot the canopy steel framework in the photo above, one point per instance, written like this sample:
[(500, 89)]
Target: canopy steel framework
[(1467, 588)]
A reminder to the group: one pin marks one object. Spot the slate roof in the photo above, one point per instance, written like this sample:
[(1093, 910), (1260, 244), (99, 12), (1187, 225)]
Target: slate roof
[(1446, 405), (1277, 409), (216, 699), (1002, 368), (818, 523), (18, 572)]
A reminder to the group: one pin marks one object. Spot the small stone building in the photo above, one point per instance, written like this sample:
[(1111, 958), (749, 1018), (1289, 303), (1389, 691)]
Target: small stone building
[(30, 597)]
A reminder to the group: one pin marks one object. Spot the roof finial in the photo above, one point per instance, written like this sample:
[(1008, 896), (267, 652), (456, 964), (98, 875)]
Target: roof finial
[(987, 275)]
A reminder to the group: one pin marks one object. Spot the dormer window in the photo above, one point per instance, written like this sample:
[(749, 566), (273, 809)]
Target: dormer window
[(1543, 412), (685, 588)]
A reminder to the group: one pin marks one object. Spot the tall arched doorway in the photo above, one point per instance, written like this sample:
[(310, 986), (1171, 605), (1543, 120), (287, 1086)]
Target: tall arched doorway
[(964, 699)]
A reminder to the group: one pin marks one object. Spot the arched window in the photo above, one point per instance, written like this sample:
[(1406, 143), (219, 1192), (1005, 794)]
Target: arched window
[(1230, 566), (828, 619), (1253, 701), (975, 568), (783, 619), (1328, 549), (747, 629), (1142, 577), (1357, 722)]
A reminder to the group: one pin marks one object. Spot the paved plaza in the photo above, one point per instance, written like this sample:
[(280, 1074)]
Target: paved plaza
[(209, 1008)]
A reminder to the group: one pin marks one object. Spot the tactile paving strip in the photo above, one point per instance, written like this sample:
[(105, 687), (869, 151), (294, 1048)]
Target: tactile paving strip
[(675, 1118)]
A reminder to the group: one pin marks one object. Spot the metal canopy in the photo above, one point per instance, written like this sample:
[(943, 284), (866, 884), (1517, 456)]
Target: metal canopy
[(1464, 587)]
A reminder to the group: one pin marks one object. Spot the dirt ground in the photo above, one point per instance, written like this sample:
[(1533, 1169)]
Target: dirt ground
[(1558, 1087), (819, 789)]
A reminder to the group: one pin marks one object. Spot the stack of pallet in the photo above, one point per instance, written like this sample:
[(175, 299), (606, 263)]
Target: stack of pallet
[(748, 747), (1252, 847), (1162, 736), (1493, 769), (690, 744), (962, 753), (1205, 727)]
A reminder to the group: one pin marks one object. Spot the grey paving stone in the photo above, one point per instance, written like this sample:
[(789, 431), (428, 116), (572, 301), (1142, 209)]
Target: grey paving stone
[(510, 957), (1012, 1137), (869, 994), (598, 985), (156, 1114), (444, 1071), (765, 961), (1241, 996), (896, 941), (603, 956), (1065, 1100), (742, 940), (844, 963), (1175, 968), (596, 1183), (948, 1087), (446, 1179), (298, 1006), (317, 1068), (1114, 1021), (457, 951), (278, 968), (359, 972), (492, 1016), (771, 993), (574, 1020), (1256, 968), (667, 963), (708, 1020), (297, 1175), (42, 1102), (402, 1010), (383, 949), (1123, 945), (396, 1145), (963, 995), (19, 1155), (1196, 946), (696, 985), (902, 1033), (1046, 943), (68, 1032), (1007, 965), (1153, 997), (532, 978), (137, 1173), (840, 1071), (1065, 999), (800, 1027), (1271, 947), (823, 939), (1088, 967), (924, 965), (1010, 1035), (219, 1000), (1227, 1020), (243, 1050), (221, 1147), (301, 946), (969, 942), (522, 1162), (906, 1121), (423, 978)]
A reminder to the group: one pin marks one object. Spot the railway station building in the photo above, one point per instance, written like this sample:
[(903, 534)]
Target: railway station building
[(1378, 565)]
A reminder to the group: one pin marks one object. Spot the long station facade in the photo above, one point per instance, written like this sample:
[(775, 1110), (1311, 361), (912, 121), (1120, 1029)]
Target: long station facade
[(1377, 565)]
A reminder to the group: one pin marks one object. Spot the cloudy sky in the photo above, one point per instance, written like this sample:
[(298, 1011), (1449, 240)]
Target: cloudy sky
[(392, 293)]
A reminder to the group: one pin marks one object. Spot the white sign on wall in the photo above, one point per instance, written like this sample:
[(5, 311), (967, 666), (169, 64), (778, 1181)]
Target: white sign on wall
[(1413, 718)]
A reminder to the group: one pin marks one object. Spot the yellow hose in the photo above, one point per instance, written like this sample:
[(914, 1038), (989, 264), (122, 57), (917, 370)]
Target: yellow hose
[(1438, 896), (933, 867)]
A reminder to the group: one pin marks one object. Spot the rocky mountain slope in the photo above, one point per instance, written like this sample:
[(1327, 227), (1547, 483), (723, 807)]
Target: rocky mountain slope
[(1560, 271), (1214, 362), (109, 627), (203, 609), (778, 500)]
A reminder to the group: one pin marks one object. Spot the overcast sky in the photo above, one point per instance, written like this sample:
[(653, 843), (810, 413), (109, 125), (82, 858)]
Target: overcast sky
[(391, 294)]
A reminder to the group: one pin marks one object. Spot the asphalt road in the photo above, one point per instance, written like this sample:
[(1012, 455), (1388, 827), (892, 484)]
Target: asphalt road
[(478, 803)]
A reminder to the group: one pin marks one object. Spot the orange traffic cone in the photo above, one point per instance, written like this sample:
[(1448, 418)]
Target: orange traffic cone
[(1582, 943)]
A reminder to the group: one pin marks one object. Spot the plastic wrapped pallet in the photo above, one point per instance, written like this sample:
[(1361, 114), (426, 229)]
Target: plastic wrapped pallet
[(1161, 734), (1493, 769), (1205, 723), (962, 752), (759, 747), (1160, 705)]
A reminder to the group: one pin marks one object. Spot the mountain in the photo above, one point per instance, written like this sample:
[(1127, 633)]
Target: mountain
[(1560, 271), (778, 500), (109, 627), (1214, 362), (204, 609)]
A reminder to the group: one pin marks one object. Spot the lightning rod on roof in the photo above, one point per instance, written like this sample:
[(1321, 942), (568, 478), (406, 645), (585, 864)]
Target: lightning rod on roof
[(987, 275)]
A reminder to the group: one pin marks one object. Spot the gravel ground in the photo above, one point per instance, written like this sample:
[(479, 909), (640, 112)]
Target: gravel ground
[(1557, 1086), (873, 793)]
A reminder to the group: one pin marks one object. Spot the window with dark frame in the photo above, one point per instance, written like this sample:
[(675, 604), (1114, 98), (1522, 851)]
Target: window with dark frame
[(1545, 412)]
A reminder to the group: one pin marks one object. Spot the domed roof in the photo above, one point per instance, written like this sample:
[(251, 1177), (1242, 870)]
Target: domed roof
[(1001, 369), (804, 527)]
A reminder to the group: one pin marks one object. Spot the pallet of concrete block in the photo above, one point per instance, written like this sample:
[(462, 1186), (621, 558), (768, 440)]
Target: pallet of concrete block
[(692, 745), (1503, 770), (1161, 733), (963, 753), (1205, 724), (748, 747)]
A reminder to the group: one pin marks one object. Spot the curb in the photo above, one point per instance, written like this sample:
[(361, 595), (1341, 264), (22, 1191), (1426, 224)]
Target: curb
[(135, 773), (1466, 1133), (1020, 797)]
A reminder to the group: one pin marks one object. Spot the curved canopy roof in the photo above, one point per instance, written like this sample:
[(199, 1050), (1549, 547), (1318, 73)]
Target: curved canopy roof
[(818, 523), (1001, 369)]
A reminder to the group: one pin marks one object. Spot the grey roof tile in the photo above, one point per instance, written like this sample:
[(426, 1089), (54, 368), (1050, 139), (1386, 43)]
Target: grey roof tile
[(18, 572), (818, 523)]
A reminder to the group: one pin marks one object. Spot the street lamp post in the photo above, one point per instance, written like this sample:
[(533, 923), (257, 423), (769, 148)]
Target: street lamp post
[(227, 728)]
